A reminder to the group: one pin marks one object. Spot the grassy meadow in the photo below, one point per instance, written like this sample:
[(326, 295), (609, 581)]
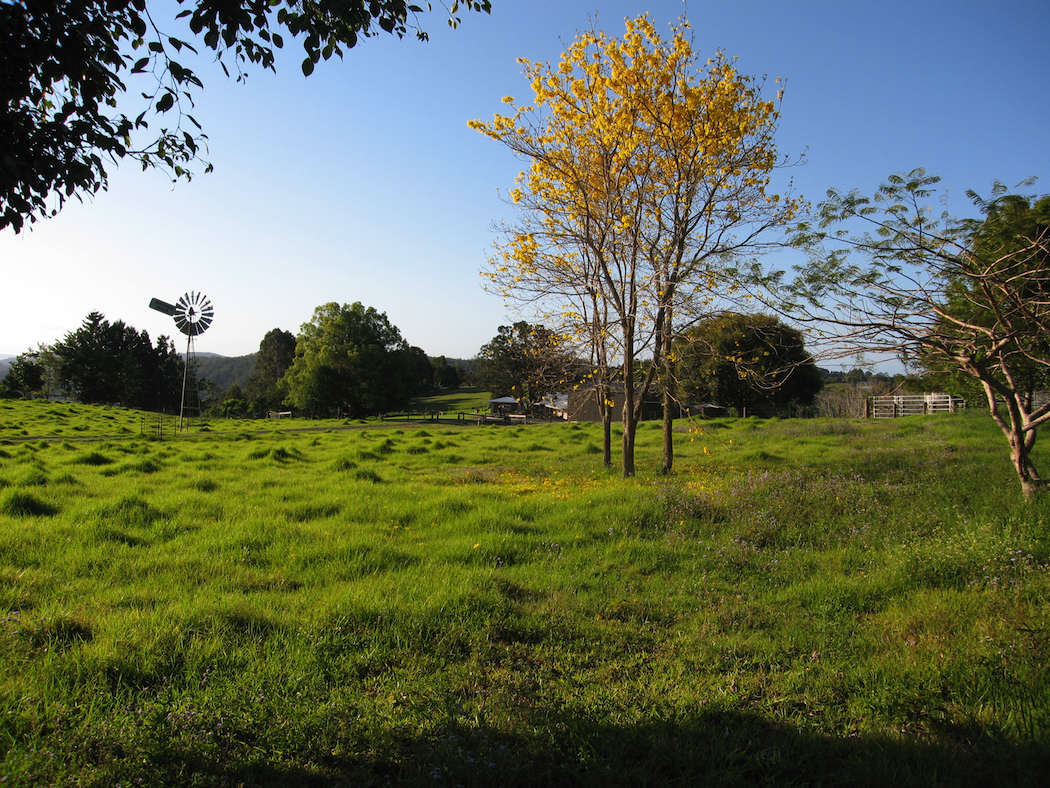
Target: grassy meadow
[(812, 602)]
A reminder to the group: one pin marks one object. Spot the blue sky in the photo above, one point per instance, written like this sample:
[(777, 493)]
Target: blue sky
[(363, 182)]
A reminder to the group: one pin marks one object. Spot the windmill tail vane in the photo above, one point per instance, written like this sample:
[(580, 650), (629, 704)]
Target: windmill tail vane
[(162, 306)]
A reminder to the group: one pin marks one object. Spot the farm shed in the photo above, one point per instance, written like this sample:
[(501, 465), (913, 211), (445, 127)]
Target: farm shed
[(582, 404), (503, 405)]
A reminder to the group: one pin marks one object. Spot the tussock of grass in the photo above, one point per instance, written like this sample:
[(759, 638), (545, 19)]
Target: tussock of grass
[(93, 458), (16, 503), (130, 512), (32, 477)]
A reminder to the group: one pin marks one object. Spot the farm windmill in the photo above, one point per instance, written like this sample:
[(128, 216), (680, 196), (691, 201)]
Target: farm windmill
[(193, 314)]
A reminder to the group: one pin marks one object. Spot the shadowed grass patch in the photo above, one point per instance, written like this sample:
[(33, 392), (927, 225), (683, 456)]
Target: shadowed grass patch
[(304, 513)]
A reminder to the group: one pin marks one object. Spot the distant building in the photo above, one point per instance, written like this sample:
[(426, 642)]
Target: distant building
[(504, 405), (553, 406), (582, 404)]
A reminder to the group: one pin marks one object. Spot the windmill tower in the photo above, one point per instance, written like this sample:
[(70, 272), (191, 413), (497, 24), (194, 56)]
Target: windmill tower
[(193, 314)]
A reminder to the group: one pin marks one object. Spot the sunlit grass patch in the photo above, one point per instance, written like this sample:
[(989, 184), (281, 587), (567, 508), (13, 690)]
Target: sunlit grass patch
[(30, 475)]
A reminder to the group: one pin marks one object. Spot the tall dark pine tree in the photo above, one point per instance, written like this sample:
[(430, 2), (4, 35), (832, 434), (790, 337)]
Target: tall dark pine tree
[(103, 362)]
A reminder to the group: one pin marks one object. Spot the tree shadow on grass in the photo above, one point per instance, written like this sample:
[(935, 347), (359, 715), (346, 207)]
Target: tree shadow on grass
[(711, 749)]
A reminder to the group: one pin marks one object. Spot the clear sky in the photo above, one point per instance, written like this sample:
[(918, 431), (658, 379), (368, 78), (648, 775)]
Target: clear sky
[(363, 182)]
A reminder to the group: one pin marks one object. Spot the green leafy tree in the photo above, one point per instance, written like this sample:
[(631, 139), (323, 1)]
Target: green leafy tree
[(69, 67), (25, 376), (446, 376), (233, 405), (1009, 220), (350, 359), (103, 362), (524, 361), (968, 295), (424, 370), (746, 362), (264, 389), (35, 372)]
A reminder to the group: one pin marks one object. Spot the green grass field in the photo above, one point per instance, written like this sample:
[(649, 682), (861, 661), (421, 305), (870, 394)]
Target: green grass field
[(803, 603)]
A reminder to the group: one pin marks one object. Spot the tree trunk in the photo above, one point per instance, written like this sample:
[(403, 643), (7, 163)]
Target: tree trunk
[(1031, 482), (601, 393), (607, 438), (630, 420), (1021, 443), (630, 413), (669, 405), (1020, 435), (668, 392)]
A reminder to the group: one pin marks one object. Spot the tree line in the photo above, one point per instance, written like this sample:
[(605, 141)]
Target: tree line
[(744, 362), (347, 360)]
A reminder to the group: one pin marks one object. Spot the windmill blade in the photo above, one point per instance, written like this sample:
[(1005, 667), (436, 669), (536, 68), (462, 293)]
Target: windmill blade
[(205, 314), (162, 306), (194, 313)]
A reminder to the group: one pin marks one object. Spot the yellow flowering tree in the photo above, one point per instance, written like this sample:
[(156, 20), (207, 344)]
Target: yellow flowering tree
[(649, 169)]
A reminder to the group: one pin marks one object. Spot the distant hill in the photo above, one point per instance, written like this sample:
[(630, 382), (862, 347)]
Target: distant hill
[(226, 370), (5, 365)]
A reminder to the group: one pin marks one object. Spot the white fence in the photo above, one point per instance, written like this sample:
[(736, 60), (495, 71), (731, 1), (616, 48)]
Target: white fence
[(893, 406)]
